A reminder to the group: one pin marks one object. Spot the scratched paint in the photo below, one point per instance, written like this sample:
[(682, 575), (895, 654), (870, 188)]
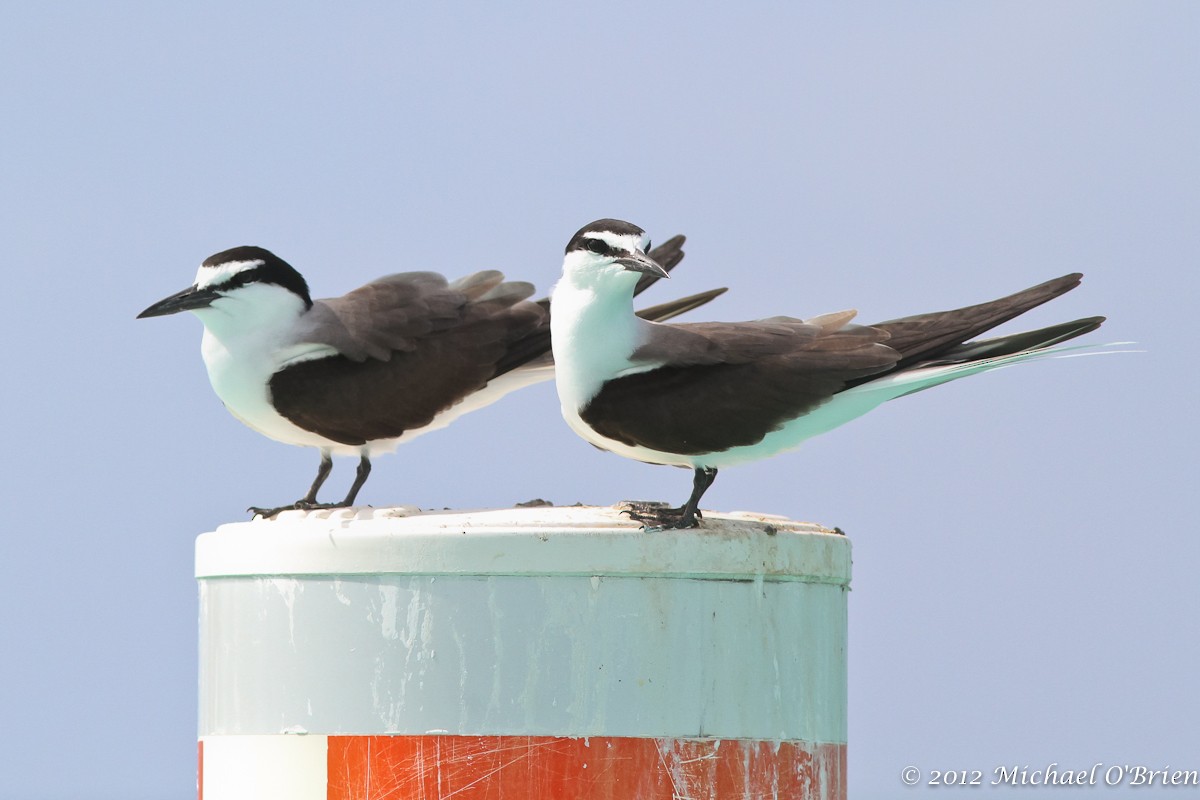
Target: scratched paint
[(599, 768)]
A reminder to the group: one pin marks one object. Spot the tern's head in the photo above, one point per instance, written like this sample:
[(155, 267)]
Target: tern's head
[(232, 280), (607, 248)]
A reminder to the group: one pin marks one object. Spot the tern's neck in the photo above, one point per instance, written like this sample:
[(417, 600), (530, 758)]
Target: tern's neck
[(594, 333), (260, 315)]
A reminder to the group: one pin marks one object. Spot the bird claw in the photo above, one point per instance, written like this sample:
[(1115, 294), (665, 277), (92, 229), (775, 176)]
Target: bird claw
[(299, 505), (656, 516)]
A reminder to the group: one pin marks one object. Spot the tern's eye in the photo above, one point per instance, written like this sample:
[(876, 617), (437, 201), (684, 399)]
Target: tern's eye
[(649, 246), (598, 246)]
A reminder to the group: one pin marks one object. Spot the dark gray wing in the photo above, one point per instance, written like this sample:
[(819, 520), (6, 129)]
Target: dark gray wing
[(395, 312), (723, 385), (423, 346)]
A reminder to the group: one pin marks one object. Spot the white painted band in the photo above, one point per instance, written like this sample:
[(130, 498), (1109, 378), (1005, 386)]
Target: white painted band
[(263, 768), (525, 541)]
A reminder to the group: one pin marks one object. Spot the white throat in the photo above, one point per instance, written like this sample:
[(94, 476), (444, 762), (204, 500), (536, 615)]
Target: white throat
[(248, 337), (594, 332)]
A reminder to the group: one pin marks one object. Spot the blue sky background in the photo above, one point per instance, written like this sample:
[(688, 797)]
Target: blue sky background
[(1025, 543)]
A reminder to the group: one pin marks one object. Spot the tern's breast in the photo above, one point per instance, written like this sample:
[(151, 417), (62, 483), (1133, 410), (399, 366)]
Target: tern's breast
[(240, 373)]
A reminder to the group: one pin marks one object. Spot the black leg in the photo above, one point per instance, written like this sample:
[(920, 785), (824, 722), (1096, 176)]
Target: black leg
[(703, 479), (309, 501), (322, 474), (360, 477)]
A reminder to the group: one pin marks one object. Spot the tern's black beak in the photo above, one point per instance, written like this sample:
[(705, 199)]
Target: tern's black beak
[(189, 299), (640, 262)]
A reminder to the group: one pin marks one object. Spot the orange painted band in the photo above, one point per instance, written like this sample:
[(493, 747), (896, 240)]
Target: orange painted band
[(608, 768)]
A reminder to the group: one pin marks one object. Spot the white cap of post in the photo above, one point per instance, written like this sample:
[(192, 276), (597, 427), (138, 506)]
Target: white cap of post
[(531, 652)]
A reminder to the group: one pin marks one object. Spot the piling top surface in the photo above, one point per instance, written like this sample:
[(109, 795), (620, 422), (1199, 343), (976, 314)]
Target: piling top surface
[(566, 541)]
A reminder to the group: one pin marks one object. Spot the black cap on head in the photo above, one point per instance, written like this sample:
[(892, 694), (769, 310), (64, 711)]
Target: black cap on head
[(271, 269), (586, 233)]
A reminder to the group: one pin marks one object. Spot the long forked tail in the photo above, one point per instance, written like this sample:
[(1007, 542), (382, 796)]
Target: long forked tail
[(938, 347), (1026, 341), (985, 355), (924, 377), (928, 337)]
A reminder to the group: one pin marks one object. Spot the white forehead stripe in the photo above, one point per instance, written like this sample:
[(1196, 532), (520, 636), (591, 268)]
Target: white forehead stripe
[(621, 241), (210, 276)]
